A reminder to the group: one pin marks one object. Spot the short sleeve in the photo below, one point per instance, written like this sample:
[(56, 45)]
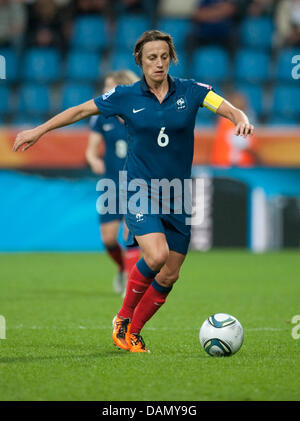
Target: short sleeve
[(109, 104), (200, 90)]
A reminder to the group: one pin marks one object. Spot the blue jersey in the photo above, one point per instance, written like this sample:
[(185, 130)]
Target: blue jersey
[(114, 134), (160, 135)]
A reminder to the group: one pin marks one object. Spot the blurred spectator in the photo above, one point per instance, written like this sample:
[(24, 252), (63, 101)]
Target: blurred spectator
[(81, 7), (257, 8), (231, 150), (147, 7), (177, 8), (213, 23), (129, 6), (288, 23), (78, 8), (45, 25), (12, 22), (62, 3)]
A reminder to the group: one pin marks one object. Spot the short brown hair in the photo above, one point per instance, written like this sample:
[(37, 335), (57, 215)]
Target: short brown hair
[(153, 35)]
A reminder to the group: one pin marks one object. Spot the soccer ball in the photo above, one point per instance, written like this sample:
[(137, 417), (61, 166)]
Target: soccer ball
[(221, 335)]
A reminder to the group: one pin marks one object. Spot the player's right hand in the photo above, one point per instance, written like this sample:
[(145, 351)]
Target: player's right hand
[(97, 166), (26, 139)]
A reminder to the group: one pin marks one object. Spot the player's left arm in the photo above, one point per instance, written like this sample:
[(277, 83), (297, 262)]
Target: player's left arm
[(225, 109)]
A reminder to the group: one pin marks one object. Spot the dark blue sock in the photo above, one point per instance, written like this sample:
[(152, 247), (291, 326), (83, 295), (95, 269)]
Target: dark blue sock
[(145, 270), (160, 288)]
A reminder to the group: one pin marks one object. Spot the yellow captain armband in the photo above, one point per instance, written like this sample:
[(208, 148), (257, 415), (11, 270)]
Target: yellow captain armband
[(212, 101)]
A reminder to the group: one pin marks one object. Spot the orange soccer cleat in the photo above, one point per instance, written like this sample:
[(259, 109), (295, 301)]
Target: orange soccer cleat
[(137, 343), (121, 332)]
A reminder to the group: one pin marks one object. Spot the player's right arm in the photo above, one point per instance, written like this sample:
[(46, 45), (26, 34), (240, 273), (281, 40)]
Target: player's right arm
[(27, 138), (92, 152)]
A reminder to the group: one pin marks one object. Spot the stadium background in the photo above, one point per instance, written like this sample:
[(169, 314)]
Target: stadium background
[(48, 194)]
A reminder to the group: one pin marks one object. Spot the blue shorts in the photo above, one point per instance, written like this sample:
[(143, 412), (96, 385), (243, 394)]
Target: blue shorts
[(177, 233), (108, 216)]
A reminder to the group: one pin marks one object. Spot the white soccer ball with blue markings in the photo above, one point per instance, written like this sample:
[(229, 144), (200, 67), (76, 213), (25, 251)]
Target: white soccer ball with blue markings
[(221, 335)]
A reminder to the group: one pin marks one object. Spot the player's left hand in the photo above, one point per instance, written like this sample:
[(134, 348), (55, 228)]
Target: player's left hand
[(244, 129)]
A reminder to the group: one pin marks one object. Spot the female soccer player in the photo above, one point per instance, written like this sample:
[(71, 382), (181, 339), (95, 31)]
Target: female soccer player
[(112, 132), (159, 112)]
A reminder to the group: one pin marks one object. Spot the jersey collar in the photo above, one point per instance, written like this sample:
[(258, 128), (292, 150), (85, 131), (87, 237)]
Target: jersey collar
[(146, 89)]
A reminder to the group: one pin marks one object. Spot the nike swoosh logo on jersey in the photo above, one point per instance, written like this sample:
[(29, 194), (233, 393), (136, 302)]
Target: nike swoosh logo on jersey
[(137, 111), (137, 292)]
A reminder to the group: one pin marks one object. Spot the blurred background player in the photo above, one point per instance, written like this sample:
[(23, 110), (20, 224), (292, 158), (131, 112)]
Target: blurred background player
[(110, 133), (228, 149)]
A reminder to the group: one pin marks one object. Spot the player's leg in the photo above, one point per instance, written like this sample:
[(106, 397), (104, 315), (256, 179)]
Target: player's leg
[(109, 234), (154, 297), (178, 239), (132, 253), (155, 253), (149, 234)]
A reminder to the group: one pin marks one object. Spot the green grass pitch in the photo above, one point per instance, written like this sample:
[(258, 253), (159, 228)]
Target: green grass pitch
[(59, 308)]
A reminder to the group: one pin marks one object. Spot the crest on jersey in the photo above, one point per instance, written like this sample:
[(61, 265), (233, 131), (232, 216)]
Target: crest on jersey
[(181, 103), (108, 93)]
